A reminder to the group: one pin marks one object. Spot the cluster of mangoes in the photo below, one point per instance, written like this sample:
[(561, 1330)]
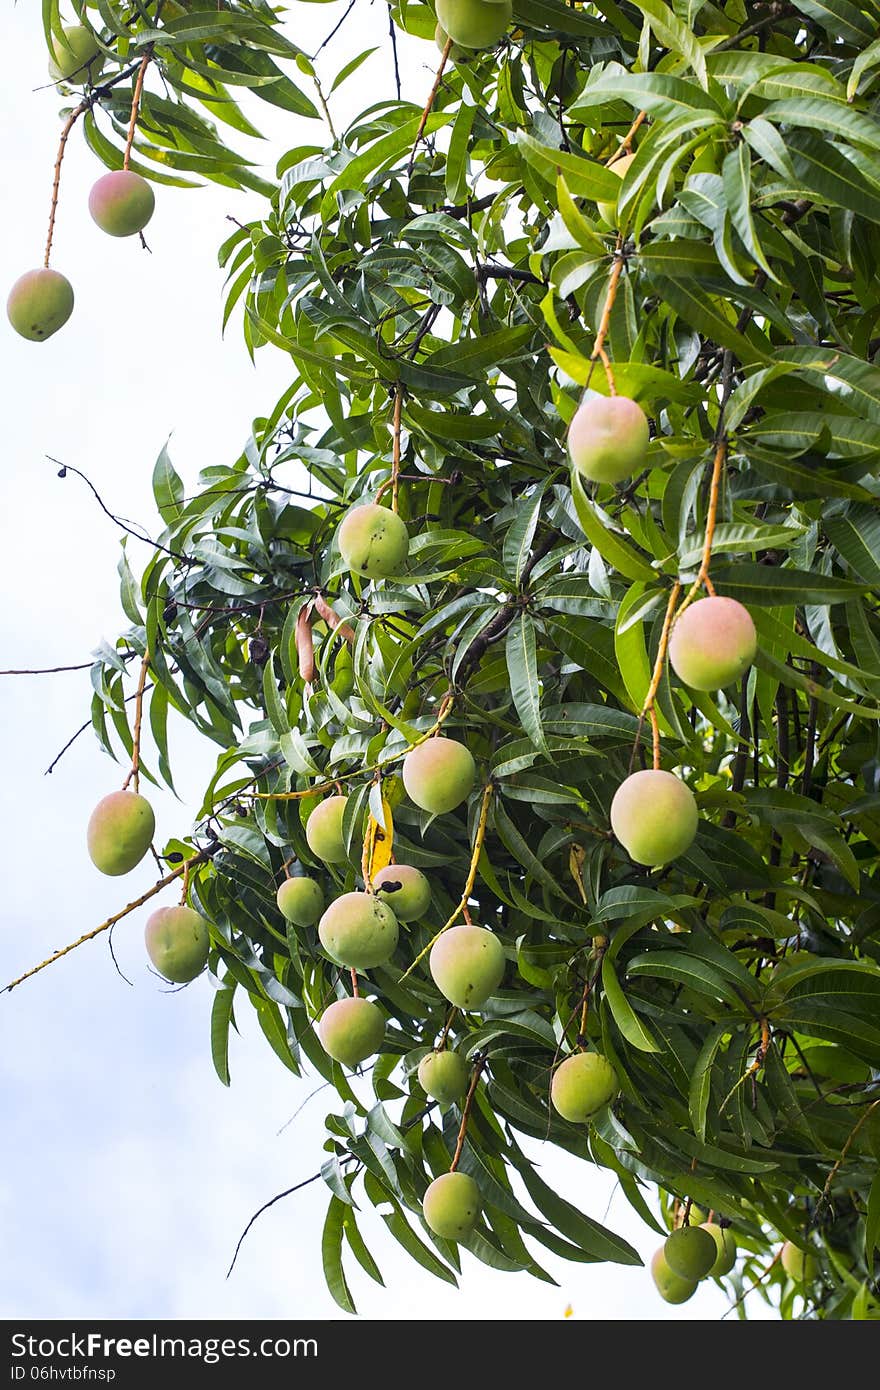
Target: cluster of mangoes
[(706, 1249), (691, 1253), (712, 643), (119, 834), (121, 203)]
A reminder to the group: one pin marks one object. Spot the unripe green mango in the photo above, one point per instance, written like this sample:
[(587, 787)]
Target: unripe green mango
[(373, 541), (351, 1030), (608, 438), (475, 23), (300, 901), (438, 774), (359, 931), (467, 965), (120, 832), (690, 1252), (452, 1206), (457, 53), (800, 1265), (671, 1287), (725, 1244), (121, 203), (581, 1085), (408, 901), (654, 816), (324, 830), (40, 302), (444, 1076), (178, 941), (713, 643), (76, 57)]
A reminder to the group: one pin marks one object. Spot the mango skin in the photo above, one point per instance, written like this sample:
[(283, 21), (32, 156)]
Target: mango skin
[(799, 1265), (300, 901), (724, 1244), (713, 643), (439, 774), (76, 58), (359, 931), (444, 1076), (121, 203), (452, 1206), (120, 832), (178, 942), (690, 1252), (373, 541), (475, 23), (412, 899), (671, 1287), (467, 965), (608, 211), (654, 816), (581, 1085), (40, 302), (324, 830), (608, 438), (351, 1030)]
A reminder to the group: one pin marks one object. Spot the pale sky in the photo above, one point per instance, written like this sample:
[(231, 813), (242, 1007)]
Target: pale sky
[(128, 1171)]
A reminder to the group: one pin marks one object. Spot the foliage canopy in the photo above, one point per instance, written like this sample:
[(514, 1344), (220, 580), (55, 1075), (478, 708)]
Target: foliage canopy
[(441, 297)]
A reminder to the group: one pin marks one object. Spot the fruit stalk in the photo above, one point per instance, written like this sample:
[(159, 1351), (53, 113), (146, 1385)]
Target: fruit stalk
[(599, 353), (625, 146), (135, 773), (479, 1064), (56, 182), (395, 456), (479, 837), (702, 580), (428, 105), (135, 105), (657, 675)]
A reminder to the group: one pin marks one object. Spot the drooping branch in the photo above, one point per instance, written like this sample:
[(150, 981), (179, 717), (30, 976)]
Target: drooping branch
[(185, 867)]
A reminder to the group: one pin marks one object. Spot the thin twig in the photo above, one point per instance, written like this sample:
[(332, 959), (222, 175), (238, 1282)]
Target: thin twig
[(65, 468), (49, 670), (199, 858), (297, 1187), (843, 1153)]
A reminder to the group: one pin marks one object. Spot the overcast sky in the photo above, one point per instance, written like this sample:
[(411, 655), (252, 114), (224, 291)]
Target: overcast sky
[(127, 1170)]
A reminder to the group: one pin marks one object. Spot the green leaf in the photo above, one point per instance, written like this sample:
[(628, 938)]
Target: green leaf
[(525, 686), (627, 1020), (331, 1255), (597, 529), (167, 489), (584, 177), (221, 1018), (701, 1079)]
